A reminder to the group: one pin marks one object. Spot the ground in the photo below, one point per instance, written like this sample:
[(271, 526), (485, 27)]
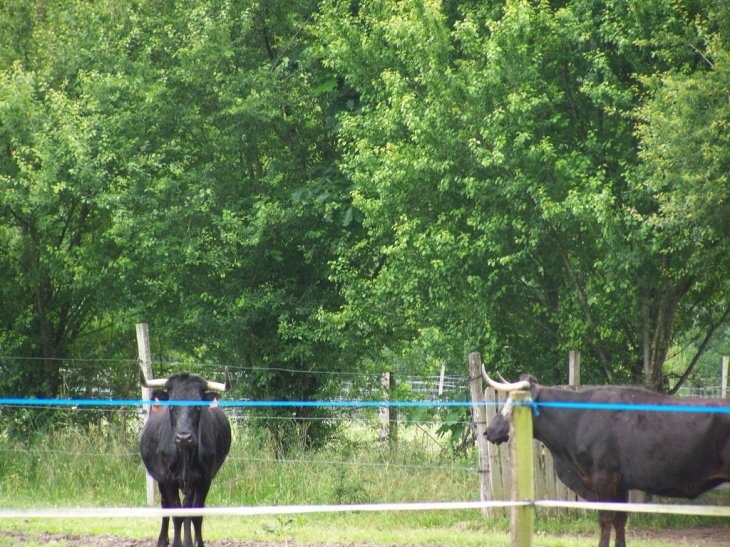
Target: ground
[(700, 537), (709, 536)]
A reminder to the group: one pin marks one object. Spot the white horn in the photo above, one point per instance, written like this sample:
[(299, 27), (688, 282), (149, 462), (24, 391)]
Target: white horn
[(501, 378), (505, 386), (144, 382), (217, 386)]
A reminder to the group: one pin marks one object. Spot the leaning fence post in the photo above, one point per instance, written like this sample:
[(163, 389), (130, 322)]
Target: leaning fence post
[(479, 416), (145, 360), (523, 488)]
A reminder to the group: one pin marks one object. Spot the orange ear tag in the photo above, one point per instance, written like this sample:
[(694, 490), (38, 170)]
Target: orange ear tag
[(214, 403), (155, 408)]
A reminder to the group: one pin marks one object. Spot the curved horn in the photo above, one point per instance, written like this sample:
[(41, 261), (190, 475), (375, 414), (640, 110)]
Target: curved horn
[(217, 386), (505, 386), (144, 382), (501, 378)]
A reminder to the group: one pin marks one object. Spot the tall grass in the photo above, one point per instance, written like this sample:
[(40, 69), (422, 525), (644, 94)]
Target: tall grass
[(355, 468), (99, 465), (72, 466)]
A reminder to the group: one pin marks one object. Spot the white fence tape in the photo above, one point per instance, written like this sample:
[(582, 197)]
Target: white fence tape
[(671, 509), (136, 512), (140, 512)]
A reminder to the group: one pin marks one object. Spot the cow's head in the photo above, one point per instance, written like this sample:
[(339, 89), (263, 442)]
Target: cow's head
[(498, 430), (185, 387)]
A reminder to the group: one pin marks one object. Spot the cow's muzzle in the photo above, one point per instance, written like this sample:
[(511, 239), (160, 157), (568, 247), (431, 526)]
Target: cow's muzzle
[(184, 439), (496, 438)]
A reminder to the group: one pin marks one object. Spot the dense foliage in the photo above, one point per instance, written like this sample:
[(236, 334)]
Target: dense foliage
[(507, 207), (293, 186)]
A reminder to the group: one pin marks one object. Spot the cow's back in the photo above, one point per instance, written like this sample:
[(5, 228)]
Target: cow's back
[(672, 453)]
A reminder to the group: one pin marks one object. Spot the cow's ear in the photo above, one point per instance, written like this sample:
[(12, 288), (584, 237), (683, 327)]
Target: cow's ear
[(212, 397), (160, 395)]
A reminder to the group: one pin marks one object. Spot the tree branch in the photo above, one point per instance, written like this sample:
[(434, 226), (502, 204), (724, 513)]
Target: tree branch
[(700, 351)]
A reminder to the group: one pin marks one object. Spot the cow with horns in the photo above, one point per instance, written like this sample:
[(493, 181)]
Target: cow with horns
[(184, 446), (603, 453)]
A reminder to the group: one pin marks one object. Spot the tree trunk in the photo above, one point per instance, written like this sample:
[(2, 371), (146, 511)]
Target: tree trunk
[(659, 313)]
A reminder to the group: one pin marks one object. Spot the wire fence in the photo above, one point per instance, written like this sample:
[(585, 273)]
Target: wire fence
[(103, 512), (700, 391), (428, 397), (356, 405)]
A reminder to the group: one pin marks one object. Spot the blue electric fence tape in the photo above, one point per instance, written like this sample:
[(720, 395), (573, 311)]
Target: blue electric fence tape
[(359, 404)]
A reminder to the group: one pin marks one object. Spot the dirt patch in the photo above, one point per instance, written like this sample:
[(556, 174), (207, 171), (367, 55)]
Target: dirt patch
[(710, 536), (87, 540), (83, 540)]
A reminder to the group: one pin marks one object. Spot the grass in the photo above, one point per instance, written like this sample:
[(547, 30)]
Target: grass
[(310, 529), (100, 467)]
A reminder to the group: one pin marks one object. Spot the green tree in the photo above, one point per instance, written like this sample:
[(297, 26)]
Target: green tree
[(200, 139), (237, 230), (685, 140), (493, 159), (59, 262)]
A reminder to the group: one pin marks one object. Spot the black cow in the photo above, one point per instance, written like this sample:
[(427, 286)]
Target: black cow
[(602, 454), (183, 447)]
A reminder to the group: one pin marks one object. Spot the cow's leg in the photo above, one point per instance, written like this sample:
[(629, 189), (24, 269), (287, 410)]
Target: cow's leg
[(619, 522), (187, 535), (199, 501), (605, 519), (164, 539), (608, 488), (192, 499), (171, 499)]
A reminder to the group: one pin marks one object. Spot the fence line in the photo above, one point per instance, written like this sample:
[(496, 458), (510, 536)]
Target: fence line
[(424, 385), (417, 379), (700, 392), (140, 512), (259, 460), (547, 504), (365, 404), (12, 401)]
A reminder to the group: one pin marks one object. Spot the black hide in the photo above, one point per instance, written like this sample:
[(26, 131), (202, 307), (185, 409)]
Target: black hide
[(183, 447), (602, 454)]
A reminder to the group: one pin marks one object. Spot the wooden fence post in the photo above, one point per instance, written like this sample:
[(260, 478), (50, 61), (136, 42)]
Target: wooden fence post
[(574, 368), (441, 378), (388, 415), (523, 488), (480, 423), (497, 456), (145, 360), (723, 381)]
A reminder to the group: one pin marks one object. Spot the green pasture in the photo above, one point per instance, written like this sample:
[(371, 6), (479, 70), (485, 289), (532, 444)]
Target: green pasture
[(100, 467)]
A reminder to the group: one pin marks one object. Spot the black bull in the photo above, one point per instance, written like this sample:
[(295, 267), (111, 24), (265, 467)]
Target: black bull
[(183, 447), (602, 454)]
